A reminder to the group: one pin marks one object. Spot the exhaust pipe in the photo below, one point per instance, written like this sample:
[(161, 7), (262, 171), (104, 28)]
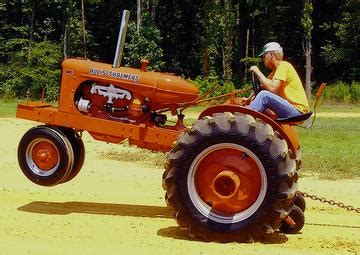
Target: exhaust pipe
[(121, 39)]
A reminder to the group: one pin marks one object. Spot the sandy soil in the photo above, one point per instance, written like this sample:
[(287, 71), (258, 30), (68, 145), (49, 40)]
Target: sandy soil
[(115, 207)]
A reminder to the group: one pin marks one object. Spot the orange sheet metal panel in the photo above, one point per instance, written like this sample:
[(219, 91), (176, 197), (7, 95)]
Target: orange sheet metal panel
[(161, 89)]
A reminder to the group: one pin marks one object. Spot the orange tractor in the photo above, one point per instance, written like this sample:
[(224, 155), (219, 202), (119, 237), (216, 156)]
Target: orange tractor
[(231, 175)]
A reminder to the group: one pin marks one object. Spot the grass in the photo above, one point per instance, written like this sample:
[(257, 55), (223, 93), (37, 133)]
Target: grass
[(7, 107), (339, 108), (136, 155), (330, 149)]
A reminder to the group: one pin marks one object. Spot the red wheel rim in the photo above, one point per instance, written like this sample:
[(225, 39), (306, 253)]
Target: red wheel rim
[(229, 179), (45, 155)]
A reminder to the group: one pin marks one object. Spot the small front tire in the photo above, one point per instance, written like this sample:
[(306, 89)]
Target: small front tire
[(79, 152), (297, 216), (299, 201), (45, 155)]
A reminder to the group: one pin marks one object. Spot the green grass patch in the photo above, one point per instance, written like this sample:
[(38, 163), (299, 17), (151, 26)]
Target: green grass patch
[(8, 107), (136, 155), (331, 148), (339, 108)]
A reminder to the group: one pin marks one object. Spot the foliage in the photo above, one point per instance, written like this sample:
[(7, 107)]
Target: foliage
[(341, 92), (340, 51), (207, 84), (75, 35), (181, 27), (306, 20), (251, 61), (190, 38), (217, 40), (144, 45), (355, 92), (32, 73)]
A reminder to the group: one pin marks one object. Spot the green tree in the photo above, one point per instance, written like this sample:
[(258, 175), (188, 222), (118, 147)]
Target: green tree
[(307, 24), (13, 29), (212, 38), (41, 70), (144, 44), (181, 27), (341, 52)]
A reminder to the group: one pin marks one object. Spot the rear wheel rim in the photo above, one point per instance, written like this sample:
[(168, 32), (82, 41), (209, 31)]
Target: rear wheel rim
[(42, 157), (227, 183)]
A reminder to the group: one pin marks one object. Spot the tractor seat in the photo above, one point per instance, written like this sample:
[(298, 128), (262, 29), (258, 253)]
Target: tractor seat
[(295, 119)]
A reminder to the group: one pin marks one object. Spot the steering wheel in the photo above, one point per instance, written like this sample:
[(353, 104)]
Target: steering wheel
[(255, 83)]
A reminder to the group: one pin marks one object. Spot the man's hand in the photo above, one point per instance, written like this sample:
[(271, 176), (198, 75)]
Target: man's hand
[(247, 100), (258, 73), (265, 83), (255, 69)]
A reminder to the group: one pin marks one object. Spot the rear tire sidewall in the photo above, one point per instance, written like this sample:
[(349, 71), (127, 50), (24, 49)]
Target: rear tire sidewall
[(265, 205)]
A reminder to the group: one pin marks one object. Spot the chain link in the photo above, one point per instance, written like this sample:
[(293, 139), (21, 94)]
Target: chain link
[(330, 202)]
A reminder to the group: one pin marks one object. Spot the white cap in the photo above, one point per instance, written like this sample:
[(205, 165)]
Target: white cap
[(271, 46)]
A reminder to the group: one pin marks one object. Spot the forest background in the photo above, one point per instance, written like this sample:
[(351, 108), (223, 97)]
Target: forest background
[(206, 41)]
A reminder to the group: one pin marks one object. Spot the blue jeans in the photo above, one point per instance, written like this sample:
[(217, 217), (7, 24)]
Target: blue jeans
[(268, 100)]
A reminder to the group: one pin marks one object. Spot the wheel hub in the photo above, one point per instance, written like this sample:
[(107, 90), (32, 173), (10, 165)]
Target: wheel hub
[(226, 184), (228, 180), (45, 156)]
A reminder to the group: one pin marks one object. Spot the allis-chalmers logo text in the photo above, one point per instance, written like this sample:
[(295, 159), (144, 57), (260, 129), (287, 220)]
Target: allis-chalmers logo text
[(117, 75)]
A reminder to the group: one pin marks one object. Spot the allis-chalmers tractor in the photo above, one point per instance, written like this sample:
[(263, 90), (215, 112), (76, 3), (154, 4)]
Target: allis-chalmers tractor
[(231, 175)]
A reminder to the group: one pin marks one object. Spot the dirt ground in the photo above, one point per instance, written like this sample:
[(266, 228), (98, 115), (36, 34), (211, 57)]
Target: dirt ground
[(115, 207)]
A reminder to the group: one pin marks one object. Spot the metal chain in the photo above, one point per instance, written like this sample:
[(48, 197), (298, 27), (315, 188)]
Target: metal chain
[(330, 202)]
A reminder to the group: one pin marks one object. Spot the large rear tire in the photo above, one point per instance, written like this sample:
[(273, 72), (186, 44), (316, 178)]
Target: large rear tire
[(45, 155), (230, 177)]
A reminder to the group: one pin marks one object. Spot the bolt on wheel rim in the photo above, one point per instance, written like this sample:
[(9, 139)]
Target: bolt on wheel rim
[(227, 183)]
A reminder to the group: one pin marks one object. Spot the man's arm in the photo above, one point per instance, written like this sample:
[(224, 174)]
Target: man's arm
[(270, 85)]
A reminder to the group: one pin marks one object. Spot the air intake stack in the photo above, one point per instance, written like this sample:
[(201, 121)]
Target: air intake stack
[(121, 39)]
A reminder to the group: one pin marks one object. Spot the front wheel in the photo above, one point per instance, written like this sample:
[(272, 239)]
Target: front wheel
[(79, 152), (299, 201), (297, 221), (45, 155), (230, 177)]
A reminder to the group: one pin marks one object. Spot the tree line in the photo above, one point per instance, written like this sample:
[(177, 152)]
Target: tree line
[(202, 39)]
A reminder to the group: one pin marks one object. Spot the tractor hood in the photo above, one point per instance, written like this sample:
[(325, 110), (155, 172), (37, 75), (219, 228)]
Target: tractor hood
[(159, 87)]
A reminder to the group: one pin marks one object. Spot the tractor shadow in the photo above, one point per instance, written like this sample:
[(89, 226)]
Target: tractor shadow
[(64, 208), (174, 232), (179, 233)]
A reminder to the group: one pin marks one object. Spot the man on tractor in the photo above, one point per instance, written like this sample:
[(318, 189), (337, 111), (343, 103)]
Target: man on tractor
[(282, 92)]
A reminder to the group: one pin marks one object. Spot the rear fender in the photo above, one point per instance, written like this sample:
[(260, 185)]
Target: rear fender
[(286, 132)]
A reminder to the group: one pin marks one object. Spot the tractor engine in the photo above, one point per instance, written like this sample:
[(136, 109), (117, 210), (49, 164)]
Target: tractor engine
[(110, 102)]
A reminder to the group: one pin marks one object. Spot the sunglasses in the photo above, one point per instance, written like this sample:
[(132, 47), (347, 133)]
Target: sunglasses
[(263, 56)]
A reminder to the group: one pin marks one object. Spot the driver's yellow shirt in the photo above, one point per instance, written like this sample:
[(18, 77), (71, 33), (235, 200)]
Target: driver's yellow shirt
[(292, 89)]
